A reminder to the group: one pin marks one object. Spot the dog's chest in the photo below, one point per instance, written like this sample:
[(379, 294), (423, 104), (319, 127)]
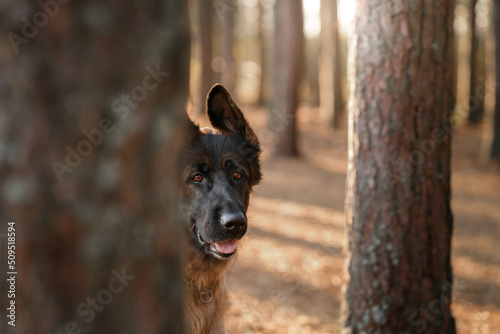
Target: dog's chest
[(205, 311)]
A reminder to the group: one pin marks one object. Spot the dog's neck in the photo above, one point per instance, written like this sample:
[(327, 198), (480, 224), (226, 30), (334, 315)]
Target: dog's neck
[(203, 271), (206, 299)]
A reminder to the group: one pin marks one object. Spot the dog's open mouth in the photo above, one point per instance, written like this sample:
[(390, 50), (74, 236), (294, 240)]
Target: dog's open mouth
[(222, 250)]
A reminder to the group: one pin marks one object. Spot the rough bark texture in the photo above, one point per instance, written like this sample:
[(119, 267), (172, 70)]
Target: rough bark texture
[(495, 147), (331, 105), (399, 222), (108, 82), (288, 61), (205, 14), (476, 96)]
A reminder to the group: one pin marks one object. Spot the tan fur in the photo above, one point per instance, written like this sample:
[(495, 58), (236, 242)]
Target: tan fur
[(200, 272)]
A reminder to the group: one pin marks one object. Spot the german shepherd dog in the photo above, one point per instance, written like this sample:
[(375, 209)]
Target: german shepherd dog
[(221, 166)]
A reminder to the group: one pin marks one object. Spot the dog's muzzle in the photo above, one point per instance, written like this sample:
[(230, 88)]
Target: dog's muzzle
[(221, 250)]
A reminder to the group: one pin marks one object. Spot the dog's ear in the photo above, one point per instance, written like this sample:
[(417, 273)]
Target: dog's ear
[(227, 118), (222, 112)]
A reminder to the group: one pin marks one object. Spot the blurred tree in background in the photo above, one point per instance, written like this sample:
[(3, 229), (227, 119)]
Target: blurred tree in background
[(288, 69), (331, 104), (93, 99), (206, 81), (495, 147), (266, 52), (228, 74), (477, 71), (399, 221)]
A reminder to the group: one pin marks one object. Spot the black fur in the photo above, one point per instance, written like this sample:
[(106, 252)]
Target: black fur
[(214, 196)]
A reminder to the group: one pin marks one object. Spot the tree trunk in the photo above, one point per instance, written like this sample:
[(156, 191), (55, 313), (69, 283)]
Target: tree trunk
[(312, 47), (327, 61), (495, 147), (338, 106), (331, 105), (288, 63), (476, 96), (228, 75), (488, 84), (205, 13), (266, 53), (399, 221), (91, 128)]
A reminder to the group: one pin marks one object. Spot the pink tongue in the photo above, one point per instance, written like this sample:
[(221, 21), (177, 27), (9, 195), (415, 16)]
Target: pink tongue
[(226, 247)]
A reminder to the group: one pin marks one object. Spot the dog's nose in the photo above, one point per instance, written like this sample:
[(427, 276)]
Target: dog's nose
[(234, 221)]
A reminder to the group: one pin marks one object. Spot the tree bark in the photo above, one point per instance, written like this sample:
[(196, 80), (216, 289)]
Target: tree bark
[(399, 222), (205, 13), (91, 128), (288, 64), (495, 147), (476, 96)]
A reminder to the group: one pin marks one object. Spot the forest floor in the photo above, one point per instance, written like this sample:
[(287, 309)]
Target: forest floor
[(288, 275)]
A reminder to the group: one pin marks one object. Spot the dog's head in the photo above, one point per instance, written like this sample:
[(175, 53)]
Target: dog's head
[(221, 166)]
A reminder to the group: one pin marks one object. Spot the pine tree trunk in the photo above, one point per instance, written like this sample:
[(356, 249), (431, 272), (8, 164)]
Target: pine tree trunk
[(228, 75), (312, 47), (338, 103), (327, 62), (205, 13), (476, 96), (92, 117), (288, 63), (330, 63), (266, 53), (495, 147), (399, 221)]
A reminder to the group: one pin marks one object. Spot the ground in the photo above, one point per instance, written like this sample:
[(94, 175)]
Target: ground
[(287, 278)]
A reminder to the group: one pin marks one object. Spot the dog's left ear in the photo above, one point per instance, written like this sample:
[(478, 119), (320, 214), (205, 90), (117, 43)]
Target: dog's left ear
[(227, 118)]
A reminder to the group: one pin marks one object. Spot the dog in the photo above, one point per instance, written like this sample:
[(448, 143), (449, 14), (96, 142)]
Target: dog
[(220, 168)]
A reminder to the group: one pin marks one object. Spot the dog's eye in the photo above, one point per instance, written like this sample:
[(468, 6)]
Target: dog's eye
[(197, 178), (237, 176)]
